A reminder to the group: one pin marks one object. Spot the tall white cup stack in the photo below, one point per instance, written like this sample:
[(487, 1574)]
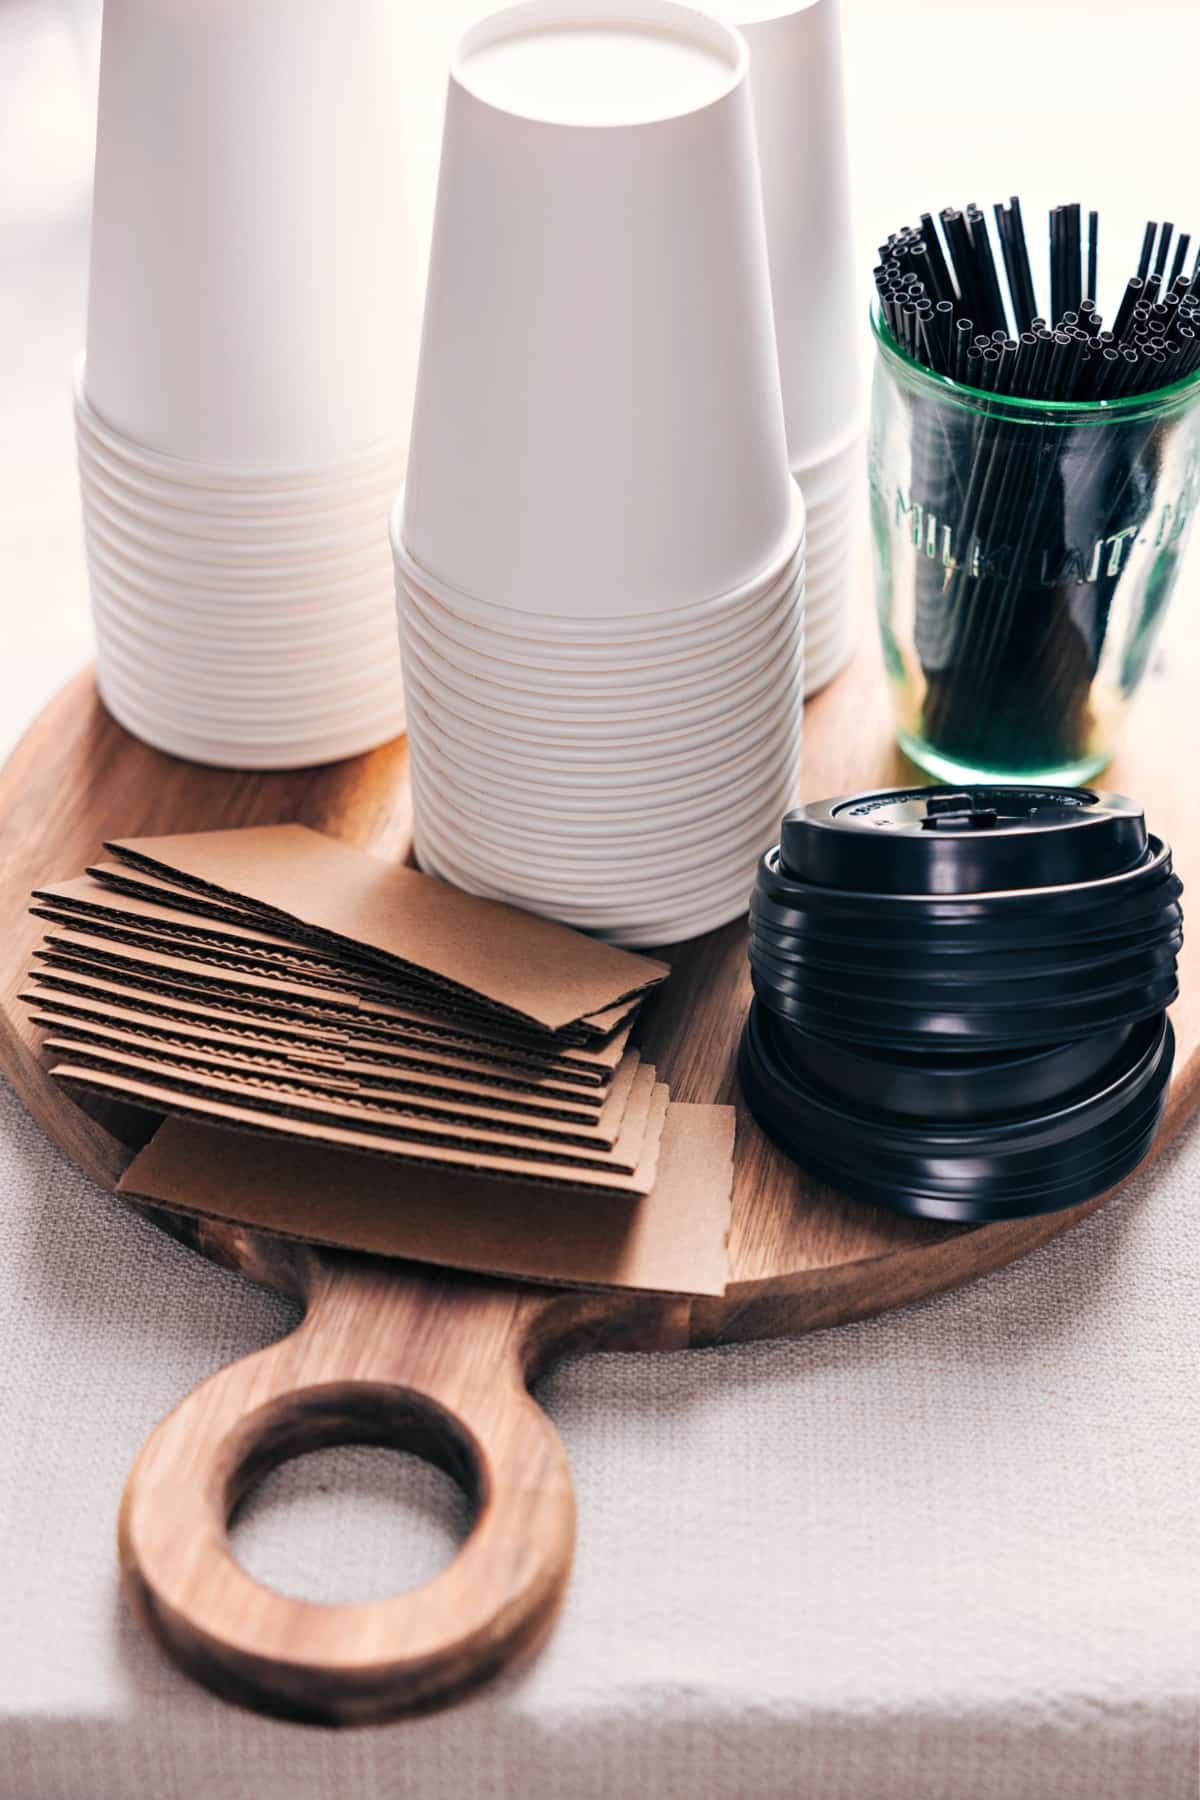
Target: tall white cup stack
[(599, 549), (796, 77), (242, 408)]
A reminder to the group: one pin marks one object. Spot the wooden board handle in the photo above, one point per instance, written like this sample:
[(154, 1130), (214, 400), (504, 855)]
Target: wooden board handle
[(387, 1357)]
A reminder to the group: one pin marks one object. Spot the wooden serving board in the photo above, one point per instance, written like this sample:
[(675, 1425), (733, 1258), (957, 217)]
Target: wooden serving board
[(394, 1354)]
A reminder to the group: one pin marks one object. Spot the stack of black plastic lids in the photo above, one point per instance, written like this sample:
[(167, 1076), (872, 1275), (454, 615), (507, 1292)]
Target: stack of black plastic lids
[(960, 997)]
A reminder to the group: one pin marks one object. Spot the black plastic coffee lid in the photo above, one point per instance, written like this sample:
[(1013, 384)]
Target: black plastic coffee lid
[(888, 1025), (949, 1086), (1119, 906), (1060, 1154), (829, 956), (979, 840), (1084, 904)]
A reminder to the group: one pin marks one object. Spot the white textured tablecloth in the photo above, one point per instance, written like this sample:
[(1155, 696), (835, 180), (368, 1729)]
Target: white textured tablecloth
[(947, 1555)]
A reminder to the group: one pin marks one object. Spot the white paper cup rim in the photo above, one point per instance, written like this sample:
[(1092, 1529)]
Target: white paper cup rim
[(642, 888), (191, 550), (611, 699), (842, 443), (673, 873), (707, 743), (202, 474), (569, 653), (696, 719), (265, 584), (243, 511), (617, 625), (268, 671), (592, 672), (591, 858), (306, 725), (550, 775), (606, 807)]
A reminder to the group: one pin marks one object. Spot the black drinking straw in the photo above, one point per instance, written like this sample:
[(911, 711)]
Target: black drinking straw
[(1074, 275), (1008, 638), (943, 279), (1181, 250), (1164, 247), (1093, 245)]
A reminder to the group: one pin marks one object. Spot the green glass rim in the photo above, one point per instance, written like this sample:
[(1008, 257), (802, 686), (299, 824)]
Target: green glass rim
[(1130, 410)]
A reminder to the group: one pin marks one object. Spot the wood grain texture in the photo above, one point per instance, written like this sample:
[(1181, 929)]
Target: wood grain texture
[(439, 1362)]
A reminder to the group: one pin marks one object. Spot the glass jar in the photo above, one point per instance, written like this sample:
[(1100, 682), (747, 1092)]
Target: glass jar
[(1025, 554)]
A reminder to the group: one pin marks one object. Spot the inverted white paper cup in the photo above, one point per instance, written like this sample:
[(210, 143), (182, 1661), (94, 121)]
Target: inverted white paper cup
[(836, 508), (670, 755), (833, 593), (643, 893), (595, 675), (268, 673), (239, 602), (285, 551), (562, 632), (603, 695), (675, 928), (675, 727), (834, 624), (834, 575), (589, 820), (597, 427), (252, 290), (557, 784), (357, 572), (832, 589), (224, 480), (828, 656), (285, 726), (266, 676), (246, 725), (228, 750), (202, 513), (844, 499), (838, 631), (588, 815), (608, 845), (549, 874), (173, 618), (668, 907), (621, 721), (670, 657), (834, 533), (833, 616), (822, 669), (842, 458), (796, 76), (823, 678), (720, 907), (839, 526), (604, 671)]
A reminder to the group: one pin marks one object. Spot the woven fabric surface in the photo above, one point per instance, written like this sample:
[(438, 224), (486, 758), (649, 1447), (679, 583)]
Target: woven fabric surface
[(944, 1555)]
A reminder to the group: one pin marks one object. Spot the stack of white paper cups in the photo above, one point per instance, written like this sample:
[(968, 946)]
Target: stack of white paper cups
[(599, 550), (796, 77), (242, 411)]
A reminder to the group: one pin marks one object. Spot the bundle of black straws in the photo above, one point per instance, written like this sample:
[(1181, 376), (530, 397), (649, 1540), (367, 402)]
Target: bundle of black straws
[(1025, 520)]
